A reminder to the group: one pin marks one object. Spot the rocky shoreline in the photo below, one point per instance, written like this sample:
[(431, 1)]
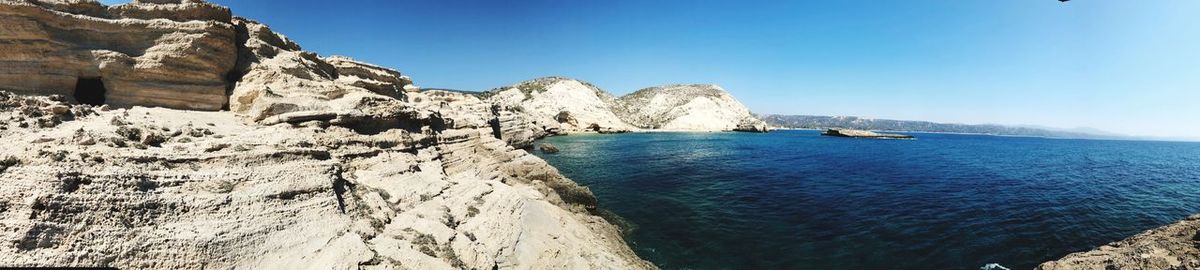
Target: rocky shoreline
[(171, 134), (1174, 246)]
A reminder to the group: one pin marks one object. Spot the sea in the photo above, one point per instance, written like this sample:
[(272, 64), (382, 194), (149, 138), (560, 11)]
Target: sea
[(798, 200)]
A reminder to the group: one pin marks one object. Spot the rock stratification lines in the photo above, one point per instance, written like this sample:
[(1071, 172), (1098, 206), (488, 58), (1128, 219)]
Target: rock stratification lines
[(174, 55)]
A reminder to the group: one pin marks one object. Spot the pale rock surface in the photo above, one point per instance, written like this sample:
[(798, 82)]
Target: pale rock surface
[(218, 192), (564, 105), (544, 99), (687, 107), (154, 53), (377, 79), (1175, 246)]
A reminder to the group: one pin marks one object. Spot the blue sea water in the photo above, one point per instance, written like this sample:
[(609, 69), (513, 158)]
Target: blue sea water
[(797, 200)]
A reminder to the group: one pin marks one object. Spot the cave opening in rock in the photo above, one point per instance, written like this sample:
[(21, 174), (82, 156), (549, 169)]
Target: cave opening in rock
[(90, 91)]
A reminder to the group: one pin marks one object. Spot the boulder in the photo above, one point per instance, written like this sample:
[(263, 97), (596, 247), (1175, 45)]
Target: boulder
[(549, 148), (564, 117)]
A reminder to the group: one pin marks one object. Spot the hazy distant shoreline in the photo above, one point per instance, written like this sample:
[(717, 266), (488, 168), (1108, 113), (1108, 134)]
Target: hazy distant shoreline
[(1123, 138)]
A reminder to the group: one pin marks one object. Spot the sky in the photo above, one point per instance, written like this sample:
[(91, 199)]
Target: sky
[(1130, 67)]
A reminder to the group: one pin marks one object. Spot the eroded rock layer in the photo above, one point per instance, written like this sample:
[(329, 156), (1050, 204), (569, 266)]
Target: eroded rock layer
[(557, 103), (173, 54), (161, 188)]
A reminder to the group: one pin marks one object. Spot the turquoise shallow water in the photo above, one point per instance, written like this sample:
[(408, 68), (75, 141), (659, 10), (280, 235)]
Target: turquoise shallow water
[(797, 200)]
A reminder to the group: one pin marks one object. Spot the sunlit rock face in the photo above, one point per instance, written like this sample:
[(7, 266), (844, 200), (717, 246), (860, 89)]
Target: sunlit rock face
[(544, 99), (173, 54), (569, 105), (690, 107)]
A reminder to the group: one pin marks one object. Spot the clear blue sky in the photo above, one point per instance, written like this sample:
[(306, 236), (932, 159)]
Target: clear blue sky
[(1131, 67)]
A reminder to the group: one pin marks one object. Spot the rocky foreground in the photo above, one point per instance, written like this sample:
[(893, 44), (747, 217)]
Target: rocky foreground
[(161, 188), (1175, 246), (318, 162), (170, 134), (570, 105)]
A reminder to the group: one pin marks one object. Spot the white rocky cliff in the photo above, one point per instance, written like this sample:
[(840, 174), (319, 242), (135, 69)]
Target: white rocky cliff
[(698, 107), (571, 105), (320, 162)]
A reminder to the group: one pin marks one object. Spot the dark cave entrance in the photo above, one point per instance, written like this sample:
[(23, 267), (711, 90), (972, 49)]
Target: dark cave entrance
[(90, 91)]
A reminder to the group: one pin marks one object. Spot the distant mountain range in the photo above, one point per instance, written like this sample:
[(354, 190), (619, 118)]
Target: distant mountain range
[(853, 122)]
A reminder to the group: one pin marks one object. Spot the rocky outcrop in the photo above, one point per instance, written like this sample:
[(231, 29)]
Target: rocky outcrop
[(1175, 246), (691, 107), (174, 54), (752, 125), (571, 105), (277, 77), (508, 124), (549, 148), (207, 190), (547, 99), (377, 79), (854, 133), (324, 162)]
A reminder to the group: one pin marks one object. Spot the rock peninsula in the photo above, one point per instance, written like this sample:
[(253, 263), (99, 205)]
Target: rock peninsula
[(854, 133), (570, 105)]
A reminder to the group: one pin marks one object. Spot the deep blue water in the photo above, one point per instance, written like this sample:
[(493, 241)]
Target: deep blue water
[(797, 200)]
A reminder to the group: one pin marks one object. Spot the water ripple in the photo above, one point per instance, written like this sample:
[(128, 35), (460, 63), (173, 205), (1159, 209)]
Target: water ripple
[(795, 200)]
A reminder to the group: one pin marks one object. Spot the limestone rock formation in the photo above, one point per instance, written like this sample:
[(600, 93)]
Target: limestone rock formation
[(544, 99), (509, 124), (318, 160), (216, 192), (380, 80), (694, 107), (571, 105), (1175, 246), (321, 161), (173, 54), (276, 77)]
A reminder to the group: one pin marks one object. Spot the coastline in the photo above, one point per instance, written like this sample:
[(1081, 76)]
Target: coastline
[(1135, 139), (235, 148)]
